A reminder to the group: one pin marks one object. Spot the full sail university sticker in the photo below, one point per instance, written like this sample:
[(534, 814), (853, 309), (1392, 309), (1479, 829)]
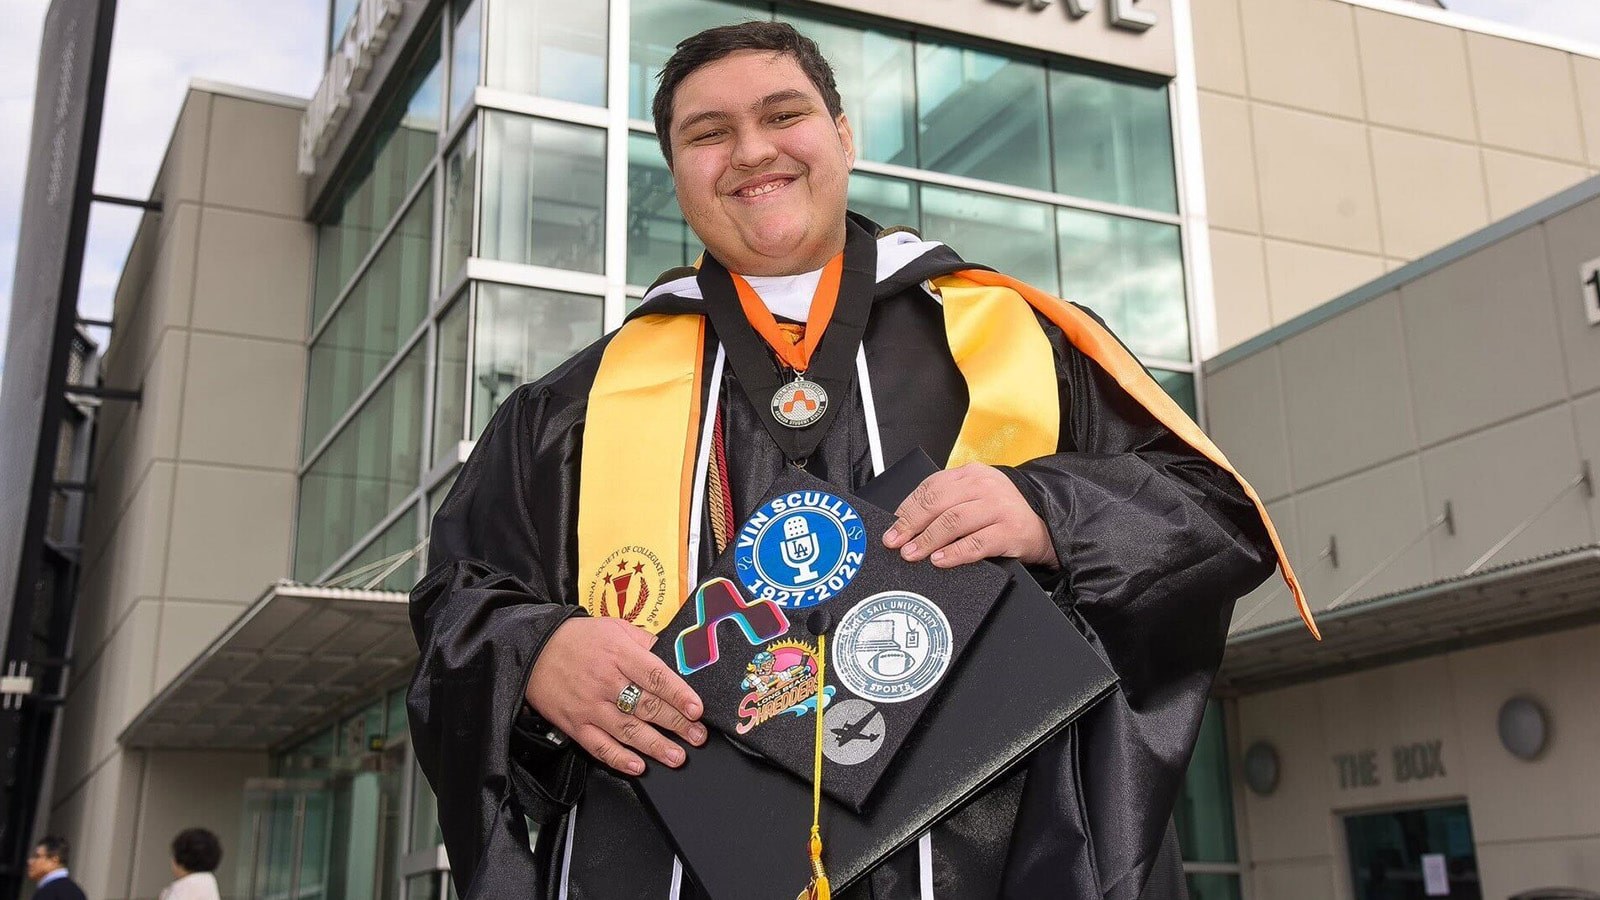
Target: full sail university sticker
[(891, 646), (800, 549)]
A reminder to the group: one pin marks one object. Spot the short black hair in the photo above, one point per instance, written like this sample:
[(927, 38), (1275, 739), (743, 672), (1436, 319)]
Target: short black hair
[(197, 850), (714, 43), (56, 847)]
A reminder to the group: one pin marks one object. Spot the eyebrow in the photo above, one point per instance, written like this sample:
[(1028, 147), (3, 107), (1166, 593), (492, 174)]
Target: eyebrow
[(772, 99)]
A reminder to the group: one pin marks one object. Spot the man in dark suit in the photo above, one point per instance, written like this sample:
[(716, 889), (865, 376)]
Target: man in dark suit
[(47, 866)]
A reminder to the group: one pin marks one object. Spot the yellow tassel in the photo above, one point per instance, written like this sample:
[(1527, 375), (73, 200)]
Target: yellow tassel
[(819, 888)]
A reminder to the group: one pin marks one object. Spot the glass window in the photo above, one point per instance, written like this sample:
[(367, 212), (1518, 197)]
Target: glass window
[(1204, 812), (1180, 387), (522, 333), (1389, 853), (398, 538), (460, 192), (342, 11), (887, 201), (396, 723), (424, 815), (1130, 272), (544, 193), (383, 310), (549, 48), (877, 84), (466, 52), (450, 383), (364, 473), (658, 238), (1113, 141), (1010, 235), (398, 156), (656, 27), (1213, 886), (358, 732), (423, 887), (982, 115)]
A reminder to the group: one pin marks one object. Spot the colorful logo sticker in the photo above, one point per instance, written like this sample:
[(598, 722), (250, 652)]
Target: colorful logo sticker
[(852, 731), (800, 549), (780, 679), (717, 601), (631, 585), (892, 646)]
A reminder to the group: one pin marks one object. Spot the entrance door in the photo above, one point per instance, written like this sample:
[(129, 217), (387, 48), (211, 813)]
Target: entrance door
[(1413, 854), (286, 830)]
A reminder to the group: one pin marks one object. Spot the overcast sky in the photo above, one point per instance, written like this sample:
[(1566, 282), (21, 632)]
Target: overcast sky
[(275, 45)]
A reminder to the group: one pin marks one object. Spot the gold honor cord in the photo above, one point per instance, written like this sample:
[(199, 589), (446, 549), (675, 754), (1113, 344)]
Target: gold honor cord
[(1094, 341), (637, 471), (818, 888)]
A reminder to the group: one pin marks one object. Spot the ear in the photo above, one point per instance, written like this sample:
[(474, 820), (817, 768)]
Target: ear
[(847, 137)]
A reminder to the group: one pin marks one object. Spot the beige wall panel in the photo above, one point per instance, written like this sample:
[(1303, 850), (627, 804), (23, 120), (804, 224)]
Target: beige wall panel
[(1370, 516), (1516, 182), (102, 829), (181, 178), (242, 403), (1271, 602), (1291, 823), (1313, 879), (1316, 179), (1571, 240), (1218, 45), (1415, 74), (137, 558), (1481, 338), (188, 627), (187, 790), (1505, 74), (1430, 191), (252, 155), (1490, 497), (254, 274), (1302, 53), (170, 293), (150, 431), (1586, 71), (128, 665), (1562, 672), (1301, 277), (1231, 200), (231, 532), (1245, 417), (1340, 388), (1507, 869), (1239, 281), (1384, 708), (1586, 419)]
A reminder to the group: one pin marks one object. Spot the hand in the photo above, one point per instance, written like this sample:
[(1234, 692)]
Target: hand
[(963, 515), (575, 682)]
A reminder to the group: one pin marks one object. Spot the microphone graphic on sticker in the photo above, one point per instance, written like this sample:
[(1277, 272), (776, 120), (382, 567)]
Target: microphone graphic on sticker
[(800, 548)]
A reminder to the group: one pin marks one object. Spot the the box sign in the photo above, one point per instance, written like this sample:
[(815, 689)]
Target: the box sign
[(1590, 273), (1123, 13), (347, 71), (1418, 761)]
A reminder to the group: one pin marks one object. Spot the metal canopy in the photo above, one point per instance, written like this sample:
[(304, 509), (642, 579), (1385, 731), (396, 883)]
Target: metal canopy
[(1534, 596), (298, 654)]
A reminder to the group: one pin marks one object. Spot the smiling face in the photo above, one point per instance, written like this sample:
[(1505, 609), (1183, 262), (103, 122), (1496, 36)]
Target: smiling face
[(761, 168)]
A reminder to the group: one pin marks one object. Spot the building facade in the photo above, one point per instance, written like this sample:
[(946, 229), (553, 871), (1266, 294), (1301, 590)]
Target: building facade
[(338, 293)]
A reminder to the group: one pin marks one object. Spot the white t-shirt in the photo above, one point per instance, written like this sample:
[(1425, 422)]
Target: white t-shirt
[(787, 296), (194, 886)]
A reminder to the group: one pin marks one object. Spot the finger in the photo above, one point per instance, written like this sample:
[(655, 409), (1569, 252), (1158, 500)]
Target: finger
[(642, 736), (933, 496), (949, 527), (656, 677), (991, 540), (608, 751), (657, 711)]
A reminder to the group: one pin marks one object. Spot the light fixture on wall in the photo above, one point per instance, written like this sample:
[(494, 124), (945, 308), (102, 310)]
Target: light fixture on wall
[(1524, 728), (1261, 768)]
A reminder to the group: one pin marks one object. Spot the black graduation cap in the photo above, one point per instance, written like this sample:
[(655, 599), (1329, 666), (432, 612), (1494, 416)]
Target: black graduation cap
[(811, 561), (739, 822)]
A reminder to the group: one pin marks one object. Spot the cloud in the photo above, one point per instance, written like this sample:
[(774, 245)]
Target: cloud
[(1573, 19), (158, 46)]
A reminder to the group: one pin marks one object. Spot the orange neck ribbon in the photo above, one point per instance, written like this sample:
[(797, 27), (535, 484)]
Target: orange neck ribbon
[(796, 356)]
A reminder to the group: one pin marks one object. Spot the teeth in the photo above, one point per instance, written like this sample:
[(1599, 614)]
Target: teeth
[(760, 189)]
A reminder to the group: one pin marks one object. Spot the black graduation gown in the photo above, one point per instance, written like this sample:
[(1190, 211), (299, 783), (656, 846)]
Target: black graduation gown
[(1156, 543)]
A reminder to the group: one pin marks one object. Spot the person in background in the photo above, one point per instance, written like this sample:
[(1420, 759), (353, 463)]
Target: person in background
[(47, 867), (195, 855)]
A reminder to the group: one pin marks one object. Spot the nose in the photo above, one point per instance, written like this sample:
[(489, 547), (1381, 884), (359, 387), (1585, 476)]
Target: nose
[(752, 149)]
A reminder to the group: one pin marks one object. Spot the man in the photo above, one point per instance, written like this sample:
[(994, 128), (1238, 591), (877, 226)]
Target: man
[(47, 868), (609, 485)]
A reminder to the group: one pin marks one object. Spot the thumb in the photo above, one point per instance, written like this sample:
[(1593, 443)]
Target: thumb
[(641, 637)]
